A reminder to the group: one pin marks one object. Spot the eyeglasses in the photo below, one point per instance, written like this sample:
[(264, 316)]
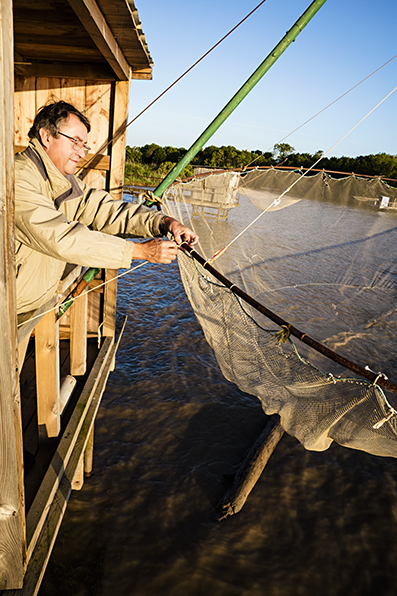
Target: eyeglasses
[(77, 144)]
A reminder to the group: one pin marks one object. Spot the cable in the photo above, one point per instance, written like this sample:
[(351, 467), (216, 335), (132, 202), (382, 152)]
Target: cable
[(323, 110), (124, 128)]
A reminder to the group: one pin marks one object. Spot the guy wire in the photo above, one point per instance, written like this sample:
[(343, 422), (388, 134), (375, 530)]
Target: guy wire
[(84, 293), (323, 109), (124, 128)]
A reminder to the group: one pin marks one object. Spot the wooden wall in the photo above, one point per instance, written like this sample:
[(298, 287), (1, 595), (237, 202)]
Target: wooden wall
[(104, 103)]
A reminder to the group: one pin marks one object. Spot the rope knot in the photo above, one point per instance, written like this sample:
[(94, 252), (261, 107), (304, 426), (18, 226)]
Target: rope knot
[(149, 199), (284, 333)]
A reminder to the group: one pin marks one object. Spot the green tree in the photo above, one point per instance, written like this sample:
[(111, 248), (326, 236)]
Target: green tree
[(133, 154), (282, 150)]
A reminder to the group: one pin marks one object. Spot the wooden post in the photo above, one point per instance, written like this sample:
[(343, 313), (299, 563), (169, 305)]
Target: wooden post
[(251, 468), (78, 478), (78, 335), (48, 376), (118, 132), (12, 512), (110, 299), (116, 180), (89, 454)]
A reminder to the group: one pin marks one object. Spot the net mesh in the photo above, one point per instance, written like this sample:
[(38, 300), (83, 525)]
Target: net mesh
[(322, 262)]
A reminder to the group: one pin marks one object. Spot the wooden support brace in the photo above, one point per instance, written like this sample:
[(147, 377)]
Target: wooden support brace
[(251, 468), (48, 376)]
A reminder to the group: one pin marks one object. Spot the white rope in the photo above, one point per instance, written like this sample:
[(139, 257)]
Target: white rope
[(326, 107), (83, 293)]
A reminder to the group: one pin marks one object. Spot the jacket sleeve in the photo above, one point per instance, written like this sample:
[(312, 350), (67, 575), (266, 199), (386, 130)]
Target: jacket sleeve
[(100, 212), (43, 228)]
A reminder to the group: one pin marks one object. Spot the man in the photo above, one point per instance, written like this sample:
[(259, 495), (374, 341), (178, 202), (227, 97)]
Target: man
[(59, 219)]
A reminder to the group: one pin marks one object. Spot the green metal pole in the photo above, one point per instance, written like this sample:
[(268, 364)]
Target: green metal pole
[(85, 280), (289, 37)]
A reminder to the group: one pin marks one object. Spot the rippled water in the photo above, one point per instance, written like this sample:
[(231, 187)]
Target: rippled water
[(171, 430)]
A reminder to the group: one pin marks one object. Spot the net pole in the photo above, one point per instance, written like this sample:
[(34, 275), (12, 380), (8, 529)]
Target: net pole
[(288, 38), (348, 364)]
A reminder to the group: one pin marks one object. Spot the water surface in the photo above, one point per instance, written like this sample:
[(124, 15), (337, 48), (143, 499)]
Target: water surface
[(171, 430)]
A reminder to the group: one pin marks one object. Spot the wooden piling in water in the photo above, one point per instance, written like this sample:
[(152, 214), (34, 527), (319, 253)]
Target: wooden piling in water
[(251, 468)]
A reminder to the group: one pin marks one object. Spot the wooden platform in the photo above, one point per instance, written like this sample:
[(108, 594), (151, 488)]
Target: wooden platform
[(56, 466)]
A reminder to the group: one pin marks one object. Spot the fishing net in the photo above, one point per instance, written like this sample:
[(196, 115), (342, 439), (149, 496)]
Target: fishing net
[(323, 258)]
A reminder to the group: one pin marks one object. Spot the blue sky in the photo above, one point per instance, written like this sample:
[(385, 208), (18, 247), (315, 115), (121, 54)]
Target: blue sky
[(344, 42)]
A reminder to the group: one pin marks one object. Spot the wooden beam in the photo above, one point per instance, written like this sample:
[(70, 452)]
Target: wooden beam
[(78, 335), (142, 74), (78, 478), (118, 123), (89, 452), (28, 323), (109, 305), (68, 70), (98, 29), (12, 511), (91, 161), (96, 161), (47, 376)]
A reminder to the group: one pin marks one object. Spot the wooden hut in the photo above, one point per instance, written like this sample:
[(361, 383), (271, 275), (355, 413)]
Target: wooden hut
[(84, 52)]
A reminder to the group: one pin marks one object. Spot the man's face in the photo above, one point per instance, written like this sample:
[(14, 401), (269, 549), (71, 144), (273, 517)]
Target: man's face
[(61, 150)]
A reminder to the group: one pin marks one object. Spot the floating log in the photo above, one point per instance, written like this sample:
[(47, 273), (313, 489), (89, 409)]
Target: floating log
[(252, 467)]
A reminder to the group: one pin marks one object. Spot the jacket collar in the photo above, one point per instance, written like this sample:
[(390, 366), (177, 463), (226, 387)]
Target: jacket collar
[(62, 188)]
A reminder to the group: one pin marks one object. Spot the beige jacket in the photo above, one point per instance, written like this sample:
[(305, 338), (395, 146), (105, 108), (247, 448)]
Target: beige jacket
[(60, 219)]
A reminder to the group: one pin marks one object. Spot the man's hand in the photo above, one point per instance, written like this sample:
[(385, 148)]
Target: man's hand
[(156, 251), (180, 232)]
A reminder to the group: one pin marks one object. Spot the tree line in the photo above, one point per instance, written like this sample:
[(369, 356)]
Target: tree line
[(149, 164)]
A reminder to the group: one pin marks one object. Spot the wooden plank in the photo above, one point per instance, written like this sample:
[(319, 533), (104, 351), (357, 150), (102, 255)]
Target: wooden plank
[(144, 74), (24, 108), (87, 70), (47, 88), (110, 299), (78, 335), (98, 95), (71, 277), (94, 161), (12, 513), (119, 115), (73, 91), (27, 323), (78, 478), (118, 132), (89, 453), (94, 312), (91, 161), (47, 376), (44, 51), (98, 29), (45, 495)]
